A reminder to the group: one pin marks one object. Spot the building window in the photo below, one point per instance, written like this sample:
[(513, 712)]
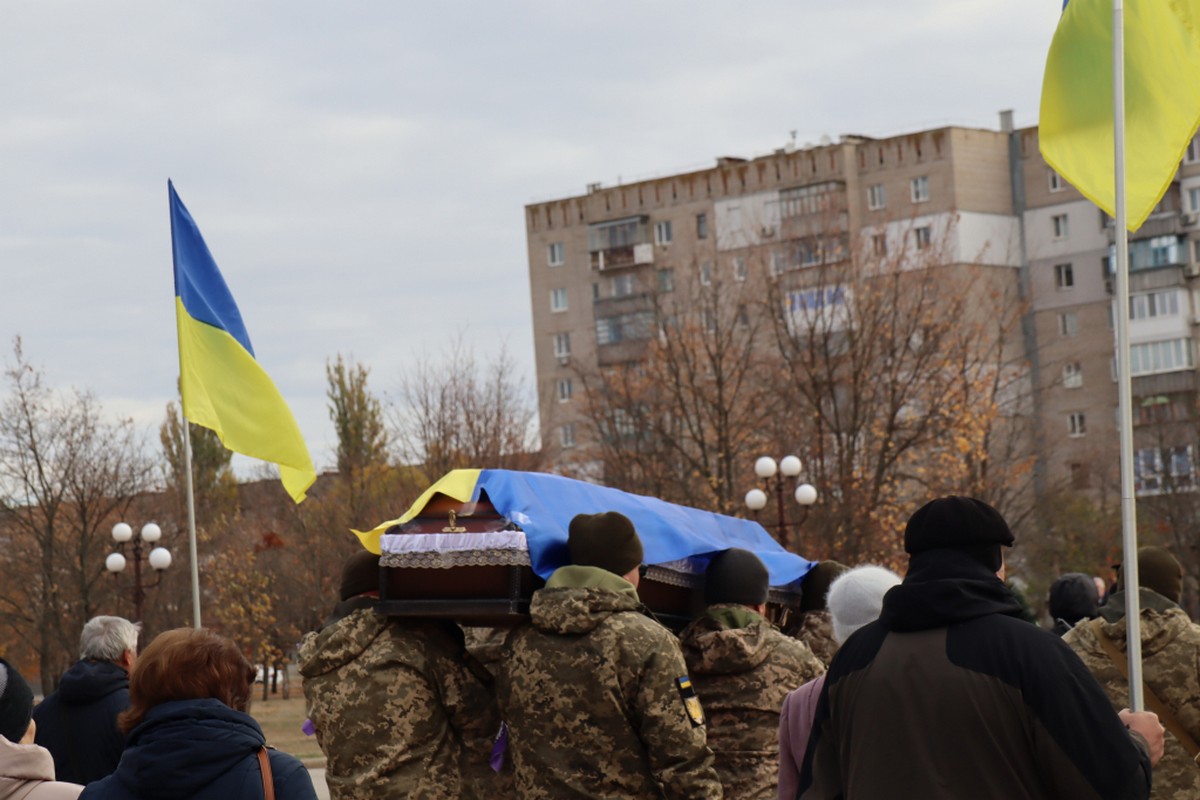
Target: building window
[(820, 198), (1196, 251), (595, 292), (1151, 305), (562, 345), (1072, 375), (920, 189), (624, 285), (922, 236), (1056, 182), (1068, 324), (743, 316), (702, 226), (1076, 424), (624, 327), (1192, 155), (566, 435), (1170, 355), (1160, 469), (779, 261), (662, 232), (706, 273), (565, 389), (1059, 221), (558, 300), (739, 269), (666, 280), (1194, 199), (1064, 276), (879, 244), (554, 254), (876, 199)]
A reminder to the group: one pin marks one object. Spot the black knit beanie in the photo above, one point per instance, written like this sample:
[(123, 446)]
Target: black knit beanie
[(816, 584), (1158, 571), (607, 540), (360, 574), (736, 576), (959, 523), (16, 703)]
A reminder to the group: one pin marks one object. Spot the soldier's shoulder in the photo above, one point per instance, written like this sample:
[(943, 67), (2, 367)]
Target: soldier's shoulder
[(790, 646), (635, 631)]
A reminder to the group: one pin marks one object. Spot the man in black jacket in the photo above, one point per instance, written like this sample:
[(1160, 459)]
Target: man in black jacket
[(78, 723), (950, 694)]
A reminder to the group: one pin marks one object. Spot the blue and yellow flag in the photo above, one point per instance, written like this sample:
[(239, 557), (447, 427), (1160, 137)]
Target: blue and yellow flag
[(543, 506), (223, 386), (1162, 99)]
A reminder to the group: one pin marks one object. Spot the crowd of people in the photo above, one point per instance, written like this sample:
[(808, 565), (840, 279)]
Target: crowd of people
[(934, 685), (168, 722)]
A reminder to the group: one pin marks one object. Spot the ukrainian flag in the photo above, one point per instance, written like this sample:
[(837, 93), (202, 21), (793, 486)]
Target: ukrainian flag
[(223, 386), (1162, 99)]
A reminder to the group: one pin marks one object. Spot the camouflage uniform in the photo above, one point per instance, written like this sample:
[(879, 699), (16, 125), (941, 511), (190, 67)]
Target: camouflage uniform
[(590, 693), (743, 669), (1170, 666), (398, 710), (816, 631)]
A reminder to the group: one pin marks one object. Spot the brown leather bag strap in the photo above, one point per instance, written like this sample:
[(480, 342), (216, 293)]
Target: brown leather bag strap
[(264, 765), (1156, 705)]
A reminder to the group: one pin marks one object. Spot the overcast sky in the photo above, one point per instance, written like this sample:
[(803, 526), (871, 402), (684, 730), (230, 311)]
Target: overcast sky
[(359, 169)]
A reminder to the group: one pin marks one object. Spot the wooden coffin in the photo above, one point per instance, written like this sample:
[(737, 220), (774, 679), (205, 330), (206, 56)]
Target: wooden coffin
[(466, 562)]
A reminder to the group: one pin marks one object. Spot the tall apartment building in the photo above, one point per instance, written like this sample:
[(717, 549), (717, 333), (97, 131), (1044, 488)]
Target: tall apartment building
[(596, 260), (1068, 247)]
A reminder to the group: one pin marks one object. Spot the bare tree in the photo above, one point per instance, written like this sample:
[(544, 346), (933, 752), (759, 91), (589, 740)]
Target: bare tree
[(681, 419), (66, 475), (457, 412), (906, 383)]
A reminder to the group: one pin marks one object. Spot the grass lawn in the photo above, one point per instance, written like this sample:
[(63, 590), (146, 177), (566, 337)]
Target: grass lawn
[(281, 720)]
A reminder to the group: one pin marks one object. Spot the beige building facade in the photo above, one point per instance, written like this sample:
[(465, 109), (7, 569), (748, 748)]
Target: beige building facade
[(985, 197)]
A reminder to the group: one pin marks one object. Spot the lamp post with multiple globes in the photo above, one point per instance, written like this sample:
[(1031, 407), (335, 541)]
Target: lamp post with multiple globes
[(159, 559), (777, 478)]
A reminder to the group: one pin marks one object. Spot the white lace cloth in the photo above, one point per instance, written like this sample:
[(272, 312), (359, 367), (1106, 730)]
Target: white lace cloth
[(444, 550)]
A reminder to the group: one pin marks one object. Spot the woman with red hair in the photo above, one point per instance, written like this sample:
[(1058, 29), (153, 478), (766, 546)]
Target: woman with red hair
[(188, 731)]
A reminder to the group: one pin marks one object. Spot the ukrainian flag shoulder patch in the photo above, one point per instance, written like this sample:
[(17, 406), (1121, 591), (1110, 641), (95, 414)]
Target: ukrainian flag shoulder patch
[(691, 703)]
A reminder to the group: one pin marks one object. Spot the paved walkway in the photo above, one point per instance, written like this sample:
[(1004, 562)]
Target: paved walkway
[(318, 779)]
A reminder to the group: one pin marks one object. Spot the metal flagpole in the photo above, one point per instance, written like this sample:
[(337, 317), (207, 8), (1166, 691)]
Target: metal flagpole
[(191, 515), (1124, 383)]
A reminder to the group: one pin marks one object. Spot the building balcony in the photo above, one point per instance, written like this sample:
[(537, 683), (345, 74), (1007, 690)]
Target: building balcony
[(1164, 383), (628, 304), (622, 352), (633, 255)]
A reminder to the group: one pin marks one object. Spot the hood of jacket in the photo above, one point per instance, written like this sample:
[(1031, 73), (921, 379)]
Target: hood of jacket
[(727, 639), (1161, 620), (578, 599), (88, 681), (340, 642), (942, 587), (183, 746), (20, 764)]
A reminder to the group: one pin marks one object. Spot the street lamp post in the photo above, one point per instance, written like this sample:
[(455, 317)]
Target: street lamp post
[(159, 559), (776, 478)]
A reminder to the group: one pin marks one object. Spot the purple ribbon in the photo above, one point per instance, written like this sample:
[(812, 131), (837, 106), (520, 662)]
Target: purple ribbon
[(499, 748)]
